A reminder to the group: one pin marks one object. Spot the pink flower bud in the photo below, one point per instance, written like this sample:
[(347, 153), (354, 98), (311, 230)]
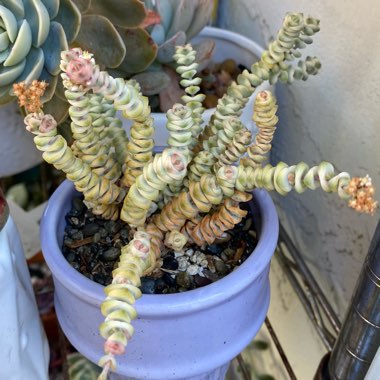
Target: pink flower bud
[(80, 71), (177, 162), (140, 246), (114, 348), (48, 123)]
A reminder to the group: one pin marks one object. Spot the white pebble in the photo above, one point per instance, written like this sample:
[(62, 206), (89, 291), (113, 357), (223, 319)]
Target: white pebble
[(183, 263), (192, 269)]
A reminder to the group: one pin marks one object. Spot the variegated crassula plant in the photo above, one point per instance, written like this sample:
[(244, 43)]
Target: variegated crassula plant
[(190, 193)]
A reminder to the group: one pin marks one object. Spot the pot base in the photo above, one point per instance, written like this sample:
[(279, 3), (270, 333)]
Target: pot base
[(217, 374)]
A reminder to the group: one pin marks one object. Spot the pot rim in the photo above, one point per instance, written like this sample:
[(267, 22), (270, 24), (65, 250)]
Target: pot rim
[(160, 304)]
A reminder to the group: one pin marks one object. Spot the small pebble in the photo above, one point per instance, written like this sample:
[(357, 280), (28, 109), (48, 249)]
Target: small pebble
[(148, 285), (214, 249), (247, 224), (220, 267), (183, 280), (70, 256), (228, 65), (99, 278), (112, 226), (192, 269), (183, 263), (90, 229), (103, 233), (78, 235), (97, 237), (161, 286), (210, 101), (229, 252), (78, 206), (169, 279), (170, 263), (111, 254), (124, 234), (201, 281), (223, 256)]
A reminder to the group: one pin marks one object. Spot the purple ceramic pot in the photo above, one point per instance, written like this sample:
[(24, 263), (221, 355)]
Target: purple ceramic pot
[(191, 335)]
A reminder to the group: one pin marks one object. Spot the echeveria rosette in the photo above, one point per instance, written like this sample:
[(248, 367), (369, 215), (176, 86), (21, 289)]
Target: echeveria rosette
[(32, 35), (179, 21)]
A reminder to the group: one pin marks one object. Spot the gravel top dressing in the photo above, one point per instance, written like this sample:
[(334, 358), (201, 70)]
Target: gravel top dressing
[(93, 245)]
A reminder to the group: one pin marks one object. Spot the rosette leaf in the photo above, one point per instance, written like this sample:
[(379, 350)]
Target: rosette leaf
[(32, 35)]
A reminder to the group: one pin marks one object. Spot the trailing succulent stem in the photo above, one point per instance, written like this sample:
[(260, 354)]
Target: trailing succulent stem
[(190, 193)]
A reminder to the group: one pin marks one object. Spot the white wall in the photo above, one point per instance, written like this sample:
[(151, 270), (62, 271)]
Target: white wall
[(334, 116)]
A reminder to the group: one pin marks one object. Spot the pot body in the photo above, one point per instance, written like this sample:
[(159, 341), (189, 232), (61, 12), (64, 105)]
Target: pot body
[(17, 149), (24, 352), (191, 335), (227, 45)]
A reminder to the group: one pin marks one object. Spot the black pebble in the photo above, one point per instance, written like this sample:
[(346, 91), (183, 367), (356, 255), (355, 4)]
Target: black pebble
[(111, 254), (170, 263), (148, 285), (90, 229)]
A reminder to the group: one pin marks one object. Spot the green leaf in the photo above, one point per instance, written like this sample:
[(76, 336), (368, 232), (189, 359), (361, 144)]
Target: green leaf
[(167, 49), (166, 10), (259, 345), (182, 18), (16, 7), (38, 19), (81, 368), (52, 6), (58, 108), (265, 377), (205, 50), (123, 13), (202, 17), (152, 82), (52, 81), (33, 66), (9, 22), (99, 36), (141, 50), (83, 5), (52, 47), (21, 46), (70, 18), (59, 89), (5, 94)]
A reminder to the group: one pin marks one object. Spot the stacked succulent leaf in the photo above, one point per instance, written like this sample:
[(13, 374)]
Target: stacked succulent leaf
[(191, 192)]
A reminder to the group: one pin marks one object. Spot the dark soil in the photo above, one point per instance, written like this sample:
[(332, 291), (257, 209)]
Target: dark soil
[(92, 246), (216, 79)]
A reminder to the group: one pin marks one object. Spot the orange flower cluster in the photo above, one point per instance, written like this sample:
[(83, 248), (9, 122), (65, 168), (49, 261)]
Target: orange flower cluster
[(362, 191), (30, 96)]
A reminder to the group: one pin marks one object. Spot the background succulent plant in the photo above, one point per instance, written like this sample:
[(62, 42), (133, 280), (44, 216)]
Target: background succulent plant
[(131, 38), (147, 30), (32, 35)]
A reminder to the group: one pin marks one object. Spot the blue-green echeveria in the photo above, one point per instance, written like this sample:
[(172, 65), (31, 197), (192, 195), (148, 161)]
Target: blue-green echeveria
[(32, 35)]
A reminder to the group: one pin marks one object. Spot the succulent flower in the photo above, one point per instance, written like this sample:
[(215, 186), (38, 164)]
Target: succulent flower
[(32, 35)]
